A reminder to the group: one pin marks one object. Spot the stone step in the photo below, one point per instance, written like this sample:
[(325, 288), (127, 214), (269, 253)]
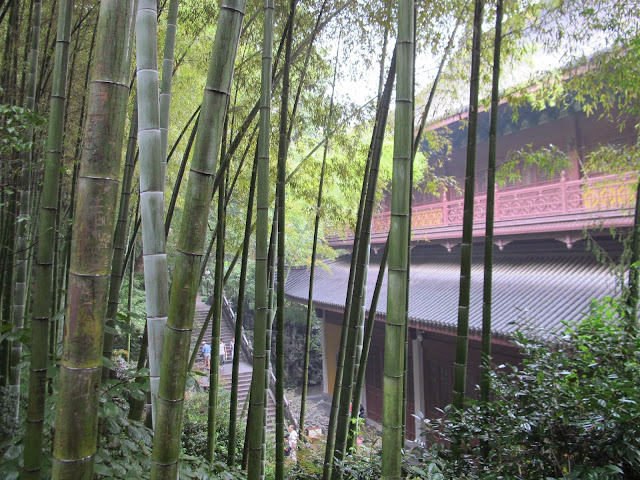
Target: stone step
[(244, 380)]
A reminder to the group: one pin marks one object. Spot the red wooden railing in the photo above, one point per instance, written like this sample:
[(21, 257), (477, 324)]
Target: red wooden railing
[(599, 194)]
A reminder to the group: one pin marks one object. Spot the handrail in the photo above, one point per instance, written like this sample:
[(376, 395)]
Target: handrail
[(586, 195), (247, 349)]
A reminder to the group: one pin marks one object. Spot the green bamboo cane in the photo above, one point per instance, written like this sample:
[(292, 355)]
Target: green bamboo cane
[(180, 175), (10, 58), (4, 237), (258, 399), (178, 140), (7, 294), (231, 451), (166, 445), (272, 261), (19, 295), (383, 55), (214, 372), (137, 406), (344, 334), (76, 163), (152, 168), (282, 174), (361, 267), (462, 343), (69, 227), (369, 326), (366, 344), (245, 447), (56, 298), (364, 355), (46, 57), (54, 329), (359, 337), (314, 249), (485, 365), (5, 72), (32, 241), (129, 303), (120, 237), (167, 77), (396, 323), (81, 365), (406, 331), (25, 54), (44, 265)]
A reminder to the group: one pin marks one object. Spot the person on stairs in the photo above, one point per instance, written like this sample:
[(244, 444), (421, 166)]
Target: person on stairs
[(222, 353), (206, 353), (293, 443)]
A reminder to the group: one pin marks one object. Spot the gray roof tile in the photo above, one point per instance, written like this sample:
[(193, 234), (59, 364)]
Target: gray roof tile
[(529, 291)]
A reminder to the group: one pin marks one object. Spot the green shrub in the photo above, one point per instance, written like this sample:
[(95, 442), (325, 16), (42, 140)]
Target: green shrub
[(194, 426), (310, 461), (570, 411)]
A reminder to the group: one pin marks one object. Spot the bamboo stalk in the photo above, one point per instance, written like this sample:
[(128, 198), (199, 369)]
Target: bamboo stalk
[(152, 169), (258, 399), (366, 344), (283, 148), (396, 323), (180, 175), (120, 237), (462, 343), (24, 215), (167, 77), (214, 372), (231, 451), (7, 282), (81, 364), (166, 445), (485, 365), (45, 251)]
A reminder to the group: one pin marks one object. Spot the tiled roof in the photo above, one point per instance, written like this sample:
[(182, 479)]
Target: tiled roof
[(535, 291)]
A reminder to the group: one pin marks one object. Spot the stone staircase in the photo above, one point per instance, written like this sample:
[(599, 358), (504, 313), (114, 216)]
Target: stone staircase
[(245, 371)]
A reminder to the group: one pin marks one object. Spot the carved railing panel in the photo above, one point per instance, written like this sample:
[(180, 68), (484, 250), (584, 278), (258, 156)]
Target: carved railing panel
[(607, 193)]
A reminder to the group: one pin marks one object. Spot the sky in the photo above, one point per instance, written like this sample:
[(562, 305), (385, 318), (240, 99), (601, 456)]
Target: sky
[(358, 80)]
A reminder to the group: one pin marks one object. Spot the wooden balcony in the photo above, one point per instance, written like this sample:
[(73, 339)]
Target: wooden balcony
[(559, 210)]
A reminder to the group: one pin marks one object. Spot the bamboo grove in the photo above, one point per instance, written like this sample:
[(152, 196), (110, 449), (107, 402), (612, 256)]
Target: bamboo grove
[(277, 159)]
